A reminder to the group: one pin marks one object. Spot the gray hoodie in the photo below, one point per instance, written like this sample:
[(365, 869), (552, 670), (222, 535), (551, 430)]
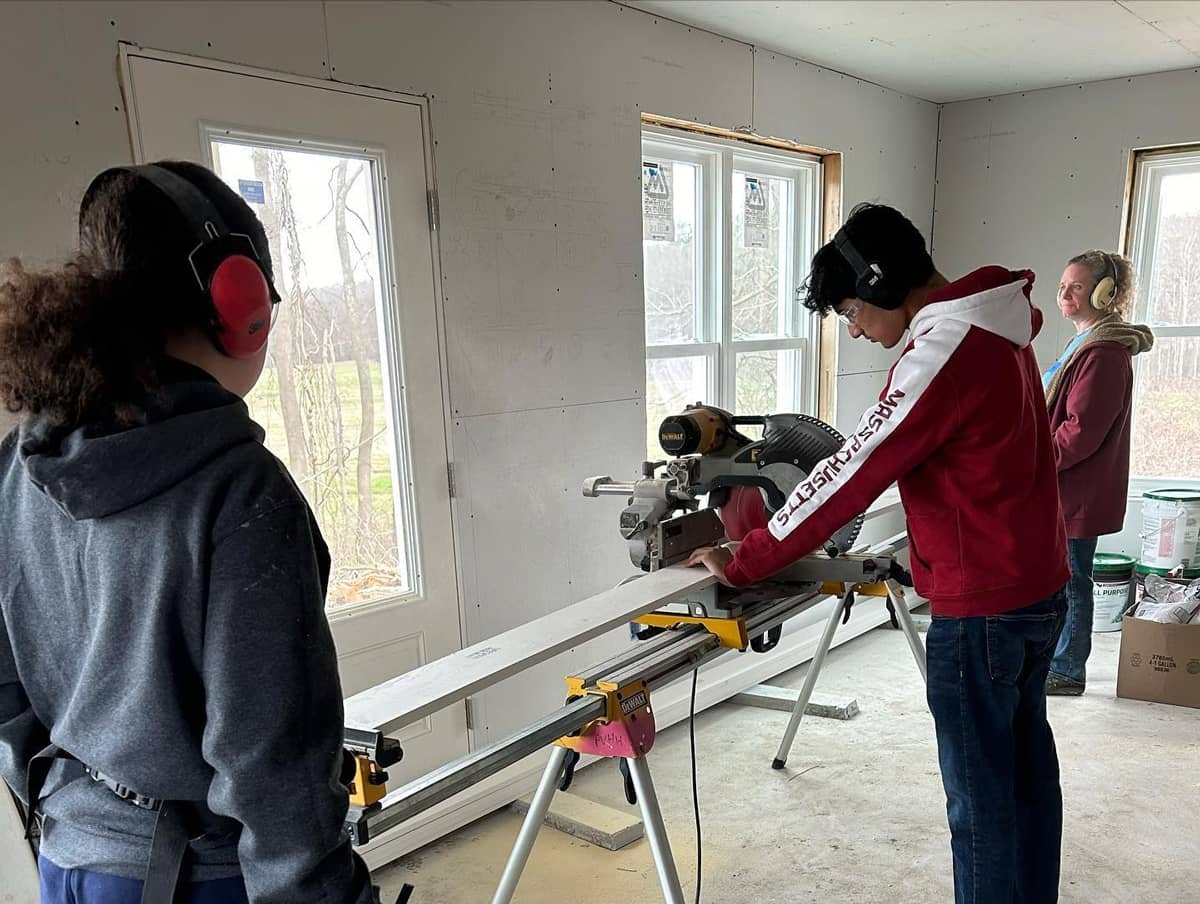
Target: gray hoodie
[(162, 593)]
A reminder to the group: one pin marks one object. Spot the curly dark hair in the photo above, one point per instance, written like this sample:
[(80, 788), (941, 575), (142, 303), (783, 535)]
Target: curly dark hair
[(882, 234), (81, 343)]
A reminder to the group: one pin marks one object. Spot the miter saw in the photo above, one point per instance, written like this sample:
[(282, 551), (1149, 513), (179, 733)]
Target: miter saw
[(745, 482)]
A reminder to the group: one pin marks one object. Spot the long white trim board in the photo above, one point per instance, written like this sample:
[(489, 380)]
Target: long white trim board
[(721, 679), (412, 696), (406, 698)]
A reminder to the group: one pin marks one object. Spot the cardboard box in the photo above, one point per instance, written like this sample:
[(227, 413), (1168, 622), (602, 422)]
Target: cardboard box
[(1159, 663)]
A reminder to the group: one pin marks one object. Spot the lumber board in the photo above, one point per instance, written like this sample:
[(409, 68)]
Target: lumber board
[(412, 696), (595, 823), (770, 696)]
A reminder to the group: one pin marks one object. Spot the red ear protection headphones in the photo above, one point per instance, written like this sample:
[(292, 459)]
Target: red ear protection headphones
[(225, 264)]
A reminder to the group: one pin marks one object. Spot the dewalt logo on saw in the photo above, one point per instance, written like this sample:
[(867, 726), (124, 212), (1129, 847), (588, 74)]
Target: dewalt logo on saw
[(671, 437), (634, 703)]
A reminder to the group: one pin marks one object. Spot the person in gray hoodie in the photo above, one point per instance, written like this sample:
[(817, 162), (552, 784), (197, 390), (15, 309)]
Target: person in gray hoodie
[(163, 640)]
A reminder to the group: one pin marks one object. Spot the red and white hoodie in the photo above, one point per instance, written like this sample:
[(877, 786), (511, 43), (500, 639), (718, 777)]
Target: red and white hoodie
[(962, 426)]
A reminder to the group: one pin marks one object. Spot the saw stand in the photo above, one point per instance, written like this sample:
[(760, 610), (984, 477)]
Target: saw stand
[(895, 596), (625, 732)]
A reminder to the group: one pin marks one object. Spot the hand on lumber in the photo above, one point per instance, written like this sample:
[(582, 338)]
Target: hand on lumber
[(714, 558)]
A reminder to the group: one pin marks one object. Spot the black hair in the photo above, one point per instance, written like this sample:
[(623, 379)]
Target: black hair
[(882, 235), (81, 343)]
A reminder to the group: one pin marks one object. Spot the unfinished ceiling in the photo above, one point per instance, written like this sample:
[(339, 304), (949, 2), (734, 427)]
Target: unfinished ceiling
[(947, 51)]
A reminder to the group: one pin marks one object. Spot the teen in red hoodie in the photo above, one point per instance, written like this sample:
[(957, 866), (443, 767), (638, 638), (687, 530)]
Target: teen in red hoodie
[(962, 426)]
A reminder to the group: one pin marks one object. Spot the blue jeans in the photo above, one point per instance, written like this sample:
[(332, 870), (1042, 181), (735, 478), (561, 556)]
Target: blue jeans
[(80, 886), (987, 693), (1075, 645)]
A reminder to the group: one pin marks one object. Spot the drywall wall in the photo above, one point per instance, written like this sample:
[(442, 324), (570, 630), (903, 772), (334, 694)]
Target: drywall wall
[(541, 260), (889, 140), (65, 117), (1028, 180), (535, 110)]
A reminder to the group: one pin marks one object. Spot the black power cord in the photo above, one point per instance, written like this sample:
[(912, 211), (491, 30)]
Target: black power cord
[(695, 787)]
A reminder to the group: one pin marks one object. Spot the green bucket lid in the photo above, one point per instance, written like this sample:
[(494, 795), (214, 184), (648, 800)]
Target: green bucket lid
[(1144, 569), (1112, 563), (1173, 495)]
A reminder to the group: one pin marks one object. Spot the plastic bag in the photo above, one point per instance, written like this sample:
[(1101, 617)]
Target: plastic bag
[(1161, 590), (1168, 603)]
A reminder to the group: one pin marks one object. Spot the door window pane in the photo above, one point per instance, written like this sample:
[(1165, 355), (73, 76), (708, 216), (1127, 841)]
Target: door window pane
[(671, 250), (671, 385), (324, 398), (1175, 283), (762, 213), (768, 381), (1166, 440)]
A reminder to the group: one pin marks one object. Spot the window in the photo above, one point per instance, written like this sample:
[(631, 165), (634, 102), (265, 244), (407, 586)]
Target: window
[(1166, 258), (725, 229), (324, 398)]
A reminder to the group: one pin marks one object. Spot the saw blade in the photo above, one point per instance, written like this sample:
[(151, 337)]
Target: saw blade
[(792, 446)]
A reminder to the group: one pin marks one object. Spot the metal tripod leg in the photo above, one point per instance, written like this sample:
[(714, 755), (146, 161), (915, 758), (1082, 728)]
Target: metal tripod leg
[(810, 681), (656, 831), (538, 808), (904, 617)]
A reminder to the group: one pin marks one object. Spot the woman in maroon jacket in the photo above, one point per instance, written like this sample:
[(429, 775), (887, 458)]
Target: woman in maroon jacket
[(1089, 391)]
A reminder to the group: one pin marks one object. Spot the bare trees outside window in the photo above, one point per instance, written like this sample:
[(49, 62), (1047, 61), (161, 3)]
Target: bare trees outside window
[(324, 399), (1166, 256)]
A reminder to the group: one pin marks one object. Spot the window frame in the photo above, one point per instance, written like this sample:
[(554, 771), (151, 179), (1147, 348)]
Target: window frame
[(719, 159), (1147, 171)]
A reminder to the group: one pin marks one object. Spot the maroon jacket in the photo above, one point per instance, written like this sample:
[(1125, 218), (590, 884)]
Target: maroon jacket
[(962, 426), (1090, 421)]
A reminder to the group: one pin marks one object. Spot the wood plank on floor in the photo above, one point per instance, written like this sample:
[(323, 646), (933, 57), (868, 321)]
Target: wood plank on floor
[(769, 696), (595, 823)]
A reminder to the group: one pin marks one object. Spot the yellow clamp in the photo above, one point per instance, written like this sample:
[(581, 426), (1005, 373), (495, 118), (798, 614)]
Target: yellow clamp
[(369, 784), (731, 632), (837, 588), (620, 701)]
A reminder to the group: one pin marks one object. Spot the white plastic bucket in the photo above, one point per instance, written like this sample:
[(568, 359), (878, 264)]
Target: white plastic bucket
[(1111, 602), (1170, 528), (1112, 590)]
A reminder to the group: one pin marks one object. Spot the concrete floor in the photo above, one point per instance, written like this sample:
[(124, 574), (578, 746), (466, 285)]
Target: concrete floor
[(859, 814)]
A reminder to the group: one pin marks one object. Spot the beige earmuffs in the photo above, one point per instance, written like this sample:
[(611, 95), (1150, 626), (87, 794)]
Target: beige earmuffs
[(1105, 292)]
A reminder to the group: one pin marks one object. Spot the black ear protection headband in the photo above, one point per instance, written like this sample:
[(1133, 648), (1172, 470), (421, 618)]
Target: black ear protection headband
[(225, 264), (871, 283)]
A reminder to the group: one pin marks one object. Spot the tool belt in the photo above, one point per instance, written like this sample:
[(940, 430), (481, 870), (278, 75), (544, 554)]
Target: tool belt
[(176, 824)]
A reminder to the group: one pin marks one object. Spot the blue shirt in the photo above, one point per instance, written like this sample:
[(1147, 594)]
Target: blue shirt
[(1062, 359)]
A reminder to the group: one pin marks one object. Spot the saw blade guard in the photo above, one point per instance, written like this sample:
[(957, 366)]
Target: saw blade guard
[(792, 447), (758, 478)]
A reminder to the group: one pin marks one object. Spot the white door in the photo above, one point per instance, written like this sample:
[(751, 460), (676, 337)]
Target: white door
[(353, 397)]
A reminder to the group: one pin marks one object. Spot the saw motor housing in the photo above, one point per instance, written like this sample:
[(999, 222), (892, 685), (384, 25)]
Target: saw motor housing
[(745, 482)]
